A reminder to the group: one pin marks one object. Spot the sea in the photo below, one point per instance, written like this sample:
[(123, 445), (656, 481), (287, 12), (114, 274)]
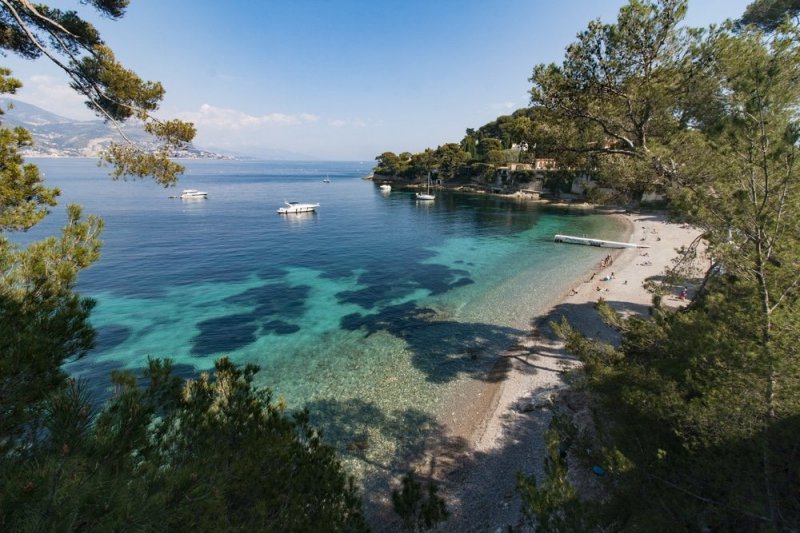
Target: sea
[(370, 312)]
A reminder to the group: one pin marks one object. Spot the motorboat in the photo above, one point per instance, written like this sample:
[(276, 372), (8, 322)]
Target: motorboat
[(193, 194), (296, 207), (427, 194), (386, 187)]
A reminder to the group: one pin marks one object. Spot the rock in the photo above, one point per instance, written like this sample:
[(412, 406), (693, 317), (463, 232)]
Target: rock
[(537, 403)]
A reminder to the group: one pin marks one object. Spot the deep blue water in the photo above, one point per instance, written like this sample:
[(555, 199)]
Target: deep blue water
[(368, 311)]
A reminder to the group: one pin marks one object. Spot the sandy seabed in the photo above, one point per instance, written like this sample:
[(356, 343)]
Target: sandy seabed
[(497, 425)]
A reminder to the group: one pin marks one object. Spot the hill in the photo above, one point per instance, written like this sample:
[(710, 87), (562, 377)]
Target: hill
[(57, 136)]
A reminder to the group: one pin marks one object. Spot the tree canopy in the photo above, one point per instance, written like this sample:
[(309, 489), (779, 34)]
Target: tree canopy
[(696, 408), (113, 92), (211, 453), (768, 14)]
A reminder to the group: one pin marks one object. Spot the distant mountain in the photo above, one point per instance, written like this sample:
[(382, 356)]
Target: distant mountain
[(263, 154), (57, 136)]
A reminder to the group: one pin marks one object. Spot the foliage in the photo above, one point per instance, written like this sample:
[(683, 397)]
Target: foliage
[(42, 319), (113, 92), (419, 511), (446, 162), (699, 406), (617, 91), (209, 454), (490, 150), (768, 14), (682, 405), (389, 164), (517, 128), (553, 504), (449, 159), (213, 453)]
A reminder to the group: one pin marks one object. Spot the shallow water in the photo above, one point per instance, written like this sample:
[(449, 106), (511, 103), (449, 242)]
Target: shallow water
[(368, 312)]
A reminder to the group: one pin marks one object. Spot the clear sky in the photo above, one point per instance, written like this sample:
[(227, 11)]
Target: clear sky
[(337, 79)]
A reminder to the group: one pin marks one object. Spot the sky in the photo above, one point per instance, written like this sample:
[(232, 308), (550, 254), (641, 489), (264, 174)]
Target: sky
[(336, 79)]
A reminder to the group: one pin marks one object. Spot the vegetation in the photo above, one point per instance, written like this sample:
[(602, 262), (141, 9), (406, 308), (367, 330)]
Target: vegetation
[(112, 91), (419, 511), (769, 14), (522, 137), (553, 503), (697, 410), (209, 454), (213, 453), (508, 139)]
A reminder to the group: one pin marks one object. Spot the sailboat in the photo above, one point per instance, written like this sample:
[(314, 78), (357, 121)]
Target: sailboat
[(427, 194)]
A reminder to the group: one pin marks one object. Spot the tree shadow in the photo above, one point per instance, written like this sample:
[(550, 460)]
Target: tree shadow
[(110, 336), (357, 428), (382, 285), (443, 349), (479, 486), (585, 318), (273, 308)]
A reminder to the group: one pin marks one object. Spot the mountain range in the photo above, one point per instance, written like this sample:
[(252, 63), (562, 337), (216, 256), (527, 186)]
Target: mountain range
[(57, 136)]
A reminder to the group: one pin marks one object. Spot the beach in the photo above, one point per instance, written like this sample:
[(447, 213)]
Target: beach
[(476, 466), (381, 310)]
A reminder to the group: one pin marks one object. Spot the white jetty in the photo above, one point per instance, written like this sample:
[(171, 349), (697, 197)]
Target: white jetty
[(570, 239)]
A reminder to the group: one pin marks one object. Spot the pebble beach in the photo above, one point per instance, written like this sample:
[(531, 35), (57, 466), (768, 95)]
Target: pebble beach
[(476, 467)]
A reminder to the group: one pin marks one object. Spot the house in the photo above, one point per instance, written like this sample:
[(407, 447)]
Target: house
[(545, 164), (652, 198)]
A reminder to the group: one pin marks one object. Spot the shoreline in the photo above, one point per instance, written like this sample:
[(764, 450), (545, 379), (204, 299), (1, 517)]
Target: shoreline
[(471, 426), (508, 412)]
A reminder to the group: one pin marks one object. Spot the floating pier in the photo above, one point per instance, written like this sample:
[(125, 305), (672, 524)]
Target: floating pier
[(570, 239)]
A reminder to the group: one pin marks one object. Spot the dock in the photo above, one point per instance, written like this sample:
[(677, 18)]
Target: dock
[(570, 239)]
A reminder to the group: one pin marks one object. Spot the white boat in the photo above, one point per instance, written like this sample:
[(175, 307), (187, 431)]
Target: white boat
[(570, 239), (427, 194), (297, 207), (193, 194), (386, 187), (326, 180)]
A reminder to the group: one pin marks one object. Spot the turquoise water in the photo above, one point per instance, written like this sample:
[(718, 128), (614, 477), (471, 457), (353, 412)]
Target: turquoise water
[(370, 312)]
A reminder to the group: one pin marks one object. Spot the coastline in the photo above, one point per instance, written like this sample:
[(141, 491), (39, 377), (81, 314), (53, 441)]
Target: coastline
[(500, 427)]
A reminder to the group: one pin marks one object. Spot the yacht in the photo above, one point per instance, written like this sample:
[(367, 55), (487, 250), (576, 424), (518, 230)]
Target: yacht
[(297, 207), (427, 194), (192, 194), (386, 187), (326, 180)]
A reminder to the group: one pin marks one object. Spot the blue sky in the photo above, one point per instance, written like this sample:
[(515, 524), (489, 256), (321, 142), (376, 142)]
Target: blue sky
[(337, 80)]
